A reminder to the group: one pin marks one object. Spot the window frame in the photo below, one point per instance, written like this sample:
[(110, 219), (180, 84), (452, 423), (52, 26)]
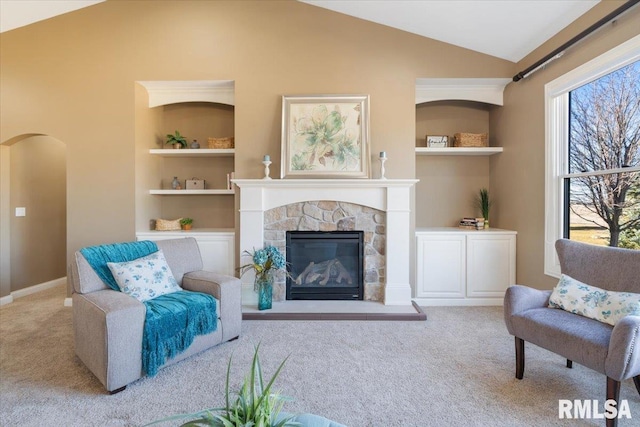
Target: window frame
[(557, 138)]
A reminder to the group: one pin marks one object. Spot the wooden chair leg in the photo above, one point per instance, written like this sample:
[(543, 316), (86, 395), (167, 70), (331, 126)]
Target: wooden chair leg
[(569, 364), (636, 381), (613, 392), (519, 358)]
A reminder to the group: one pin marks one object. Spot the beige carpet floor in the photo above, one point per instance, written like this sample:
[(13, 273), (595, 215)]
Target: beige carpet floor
[(455, 369)]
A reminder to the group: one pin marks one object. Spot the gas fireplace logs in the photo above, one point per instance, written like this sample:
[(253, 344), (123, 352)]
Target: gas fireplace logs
[(322, 272)]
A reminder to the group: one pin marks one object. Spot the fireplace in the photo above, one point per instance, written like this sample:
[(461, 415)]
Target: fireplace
[(325, 265), (270, 207)]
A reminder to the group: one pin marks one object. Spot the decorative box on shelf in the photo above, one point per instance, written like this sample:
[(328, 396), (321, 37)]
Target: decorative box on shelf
[(471, 140), (437, 141), (194, 184)]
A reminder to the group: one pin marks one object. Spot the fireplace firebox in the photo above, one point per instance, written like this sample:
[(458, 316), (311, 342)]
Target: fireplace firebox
[(325, 265)]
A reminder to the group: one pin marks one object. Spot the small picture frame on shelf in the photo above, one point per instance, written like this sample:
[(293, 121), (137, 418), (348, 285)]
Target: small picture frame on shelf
[(437, 141)]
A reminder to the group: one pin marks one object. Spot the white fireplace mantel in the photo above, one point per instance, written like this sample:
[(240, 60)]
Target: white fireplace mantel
[(392, 196)]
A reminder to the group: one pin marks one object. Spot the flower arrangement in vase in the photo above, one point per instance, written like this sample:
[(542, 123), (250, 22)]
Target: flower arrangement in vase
[(265, 262)]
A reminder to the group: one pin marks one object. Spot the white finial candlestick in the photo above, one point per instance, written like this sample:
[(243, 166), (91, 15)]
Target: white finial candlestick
[(266, 164), (383, 158)]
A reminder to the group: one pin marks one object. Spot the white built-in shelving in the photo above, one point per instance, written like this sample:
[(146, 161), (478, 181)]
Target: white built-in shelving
[(458, 151), (464, 267), (198, 152), (209, 192), (482, 90), (193, 152)]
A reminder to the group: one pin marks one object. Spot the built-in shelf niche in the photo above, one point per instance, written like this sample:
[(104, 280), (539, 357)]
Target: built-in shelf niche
[(199, 109), (453, 175)]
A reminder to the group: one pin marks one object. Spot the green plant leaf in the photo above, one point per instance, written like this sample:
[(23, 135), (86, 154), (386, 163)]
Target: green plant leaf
[(255, 405)]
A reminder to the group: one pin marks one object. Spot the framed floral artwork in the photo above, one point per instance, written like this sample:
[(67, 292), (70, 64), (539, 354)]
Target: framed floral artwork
[(325, 136)]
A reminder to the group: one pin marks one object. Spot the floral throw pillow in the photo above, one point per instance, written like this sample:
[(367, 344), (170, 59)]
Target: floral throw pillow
[(599, 304), (145, 278)]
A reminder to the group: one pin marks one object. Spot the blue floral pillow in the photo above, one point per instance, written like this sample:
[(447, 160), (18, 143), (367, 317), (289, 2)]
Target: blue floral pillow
[(599, 304), (145, 278)]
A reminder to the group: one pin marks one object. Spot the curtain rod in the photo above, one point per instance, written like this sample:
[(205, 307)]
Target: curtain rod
[(557, 53)]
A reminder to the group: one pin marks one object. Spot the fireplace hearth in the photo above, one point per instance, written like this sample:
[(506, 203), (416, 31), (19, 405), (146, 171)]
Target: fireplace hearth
[(325, 265)]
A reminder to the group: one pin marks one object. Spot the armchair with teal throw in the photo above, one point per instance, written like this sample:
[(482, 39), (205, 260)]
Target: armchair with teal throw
[(606, 345), (109, 325)]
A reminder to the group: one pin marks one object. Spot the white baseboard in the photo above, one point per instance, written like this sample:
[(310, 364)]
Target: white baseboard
[(462, 302), (68, 302), (33, 289)]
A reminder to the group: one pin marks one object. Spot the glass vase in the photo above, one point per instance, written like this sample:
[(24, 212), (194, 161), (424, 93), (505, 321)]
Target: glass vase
[(264, 287)]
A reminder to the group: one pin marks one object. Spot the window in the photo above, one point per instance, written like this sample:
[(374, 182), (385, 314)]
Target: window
[(592, 172)]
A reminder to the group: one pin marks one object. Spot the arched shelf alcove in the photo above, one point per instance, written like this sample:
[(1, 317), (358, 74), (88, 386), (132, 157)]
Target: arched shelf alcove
[(177, 91), (487, 90), (484, 91)]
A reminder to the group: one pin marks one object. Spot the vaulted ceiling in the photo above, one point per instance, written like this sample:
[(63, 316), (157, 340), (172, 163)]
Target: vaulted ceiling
[(508, 29)]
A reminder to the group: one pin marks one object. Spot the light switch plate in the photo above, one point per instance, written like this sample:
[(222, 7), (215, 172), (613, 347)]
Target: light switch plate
[(21, 211)]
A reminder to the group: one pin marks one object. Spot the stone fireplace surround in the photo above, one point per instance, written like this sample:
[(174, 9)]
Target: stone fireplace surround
[(389, 196), (323, 215)]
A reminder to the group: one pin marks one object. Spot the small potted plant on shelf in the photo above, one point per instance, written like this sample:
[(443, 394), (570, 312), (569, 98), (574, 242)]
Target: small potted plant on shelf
[(186, 223), (484, 204), (177, 140)]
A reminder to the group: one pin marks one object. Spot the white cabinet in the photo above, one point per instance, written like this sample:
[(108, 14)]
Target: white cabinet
[(217, 247), (441, 265), (464, 267), (491, 263)]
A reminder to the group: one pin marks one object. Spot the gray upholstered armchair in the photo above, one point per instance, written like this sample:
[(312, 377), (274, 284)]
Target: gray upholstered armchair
[(610, 350), (108, 325)]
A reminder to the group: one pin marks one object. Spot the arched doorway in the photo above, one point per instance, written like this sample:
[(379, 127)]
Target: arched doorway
[(33, 214)]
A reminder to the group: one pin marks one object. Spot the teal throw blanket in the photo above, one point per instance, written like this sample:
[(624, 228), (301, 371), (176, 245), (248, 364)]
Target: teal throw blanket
[(99, 256), (172, 321)]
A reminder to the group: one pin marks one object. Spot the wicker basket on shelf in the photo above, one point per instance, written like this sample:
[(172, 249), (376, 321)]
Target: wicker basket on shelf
[(226, 142), (167, 225), (471, 140)]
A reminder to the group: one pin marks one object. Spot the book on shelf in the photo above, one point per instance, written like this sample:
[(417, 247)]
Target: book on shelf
[(471, 223)]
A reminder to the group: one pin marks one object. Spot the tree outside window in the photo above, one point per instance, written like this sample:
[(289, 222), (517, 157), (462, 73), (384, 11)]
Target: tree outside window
[(602, 172)]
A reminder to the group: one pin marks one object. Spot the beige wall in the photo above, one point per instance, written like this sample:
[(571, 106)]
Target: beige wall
[(38, 183), (517, 175), (5, 227), (81, 90)]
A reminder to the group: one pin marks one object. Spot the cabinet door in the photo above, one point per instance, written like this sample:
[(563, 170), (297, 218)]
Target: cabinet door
[(491, 264), (218, 253), (217, 249), (440, 265)]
